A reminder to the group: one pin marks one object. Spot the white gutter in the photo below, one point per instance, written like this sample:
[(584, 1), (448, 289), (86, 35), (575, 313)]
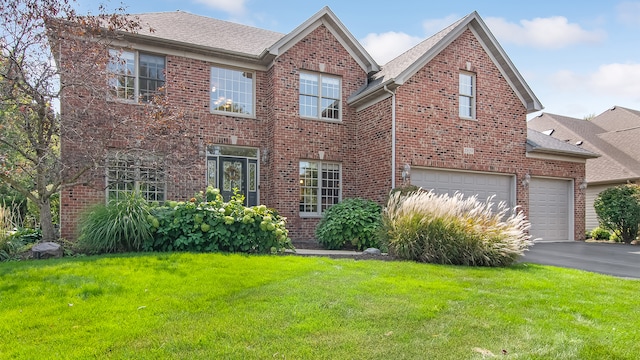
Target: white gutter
[(393, 137)]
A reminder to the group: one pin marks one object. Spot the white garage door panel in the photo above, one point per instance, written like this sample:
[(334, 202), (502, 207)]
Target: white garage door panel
[(549, 209), (468, 183)]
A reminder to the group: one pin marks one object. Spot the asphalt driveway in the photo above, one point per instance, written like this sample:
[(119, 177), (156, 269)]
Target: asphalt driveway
[(606, 258)]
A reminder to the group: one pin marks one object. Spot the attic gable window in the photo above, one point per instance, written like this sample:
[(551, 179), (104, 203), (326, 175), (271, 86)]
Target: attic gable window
[(135, 76), (320, 96), (232, 91), (467, 96)]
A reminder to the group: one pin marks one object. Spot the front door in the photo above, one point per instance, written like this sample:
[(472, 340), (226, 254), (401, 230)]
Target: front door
[(234, 167), (233, 175)]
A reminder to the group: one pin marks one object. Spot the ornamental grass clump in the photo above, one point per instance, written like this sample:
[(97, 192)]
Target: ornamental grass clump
[(443, 229), (119, 226)]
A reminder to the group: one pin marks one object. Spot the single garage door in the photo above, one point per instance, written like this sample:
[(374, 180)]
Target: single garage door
[(468, 183), (550, 206)]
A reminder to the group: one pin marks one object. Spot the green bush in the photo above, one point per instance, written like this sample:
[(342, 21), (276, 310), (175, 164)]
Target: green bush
[(599, 233), (426, 227), (618, 210), (353, 221), (208, 224), (118, 226)]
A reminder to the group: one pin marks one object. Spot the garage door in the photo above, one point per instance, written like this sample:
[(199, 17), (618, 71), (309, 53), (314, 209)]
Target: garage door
[(550, 205), (468, 183)]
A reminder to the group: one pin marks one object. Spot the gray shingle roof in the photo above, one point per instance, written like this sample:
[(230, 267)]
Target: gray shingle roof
[(618, 118), (539, 142), (620, 160), (184, 27), (399, 64)]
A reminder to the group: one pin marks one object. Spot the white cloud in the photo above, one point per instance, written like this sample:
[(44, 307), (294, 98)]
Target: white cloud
[(543, 33), (433, 26), (235, 7), (386, 46), (629, 13), (621, 81)]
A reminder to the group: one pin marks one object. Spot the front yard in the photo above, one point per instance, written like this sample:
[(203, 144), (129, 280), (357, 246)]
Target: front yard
[(205, 306)]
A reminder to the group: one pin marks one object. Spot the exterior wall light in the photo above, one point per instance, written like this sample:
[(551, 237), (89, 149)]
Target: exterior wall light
[(583, 184), (406, 174), (526, 180)]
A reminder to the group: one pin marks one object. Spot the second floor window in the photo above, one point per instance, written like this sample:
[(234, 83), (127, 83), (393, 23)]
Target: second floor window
[(467, 96), (319, 96), (134, 75), (231, 91)]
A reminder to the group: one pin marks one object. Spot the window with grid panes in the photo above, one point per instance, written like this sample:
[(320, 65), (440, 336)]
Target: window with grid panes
[(319, 96), (320, 186), (134, 75), (126, 174), (467, 96), (232, 91)]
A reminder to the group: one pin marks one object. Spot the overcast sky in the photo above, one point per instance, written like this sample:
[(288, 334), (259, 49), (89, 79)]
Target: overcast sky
[(579, 58)]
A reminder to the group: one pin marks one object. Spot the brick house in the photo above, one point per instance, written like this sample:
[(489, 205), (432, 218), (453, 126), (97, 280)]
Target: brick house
[(300, 121), (613, 134)]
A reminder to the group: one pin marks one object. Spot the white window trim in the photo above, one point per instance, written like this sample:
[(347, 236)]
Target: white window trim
[(319, 188), (319, 117), (473, 96), (136, 74), (253, 92)]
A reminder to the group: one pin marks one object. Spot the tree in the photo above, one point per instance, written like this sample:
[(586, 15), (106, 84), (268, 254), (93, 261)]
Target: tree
[(30, 84), (618, 210)]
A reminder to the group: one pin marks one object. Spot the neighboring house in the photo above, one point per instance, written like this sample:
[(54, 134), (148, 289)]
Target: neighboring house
[(300, 121), (614, 134)]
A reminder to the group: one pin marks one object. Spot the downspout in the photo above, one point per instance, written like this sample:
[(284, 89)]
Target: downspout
[(393, 137)]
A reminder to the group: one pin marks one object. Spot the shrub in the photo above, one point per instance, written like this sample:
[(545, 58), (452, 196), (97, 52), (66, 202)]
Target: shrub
[(599, 233), (207, 224), (353, 221), (615, 238), (618, 210), (426, 227), (120, 225)]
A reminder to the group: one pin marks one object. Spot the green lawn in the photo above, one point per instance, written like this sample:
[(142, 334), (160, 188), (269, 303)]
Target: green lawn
[(211, 306)]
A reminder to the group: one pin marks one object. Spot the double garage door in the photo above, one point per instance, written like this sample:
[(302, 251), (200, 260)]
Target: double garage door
[(550, 199)]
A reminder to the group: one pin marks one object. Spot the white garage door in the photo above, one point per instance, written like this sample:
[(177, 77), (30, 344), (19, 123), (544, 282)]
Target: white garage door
[(550, 205), (468, 183)]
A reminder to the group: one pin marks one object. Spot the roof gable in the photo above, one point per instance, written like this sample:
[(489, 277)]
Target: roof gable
[(400, 69), (327, 18)]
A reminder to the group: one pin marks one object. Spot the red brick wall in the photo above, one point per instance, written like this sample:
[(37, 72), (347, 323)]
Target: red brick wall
[(430, 132), (373, 161), (296, 138)]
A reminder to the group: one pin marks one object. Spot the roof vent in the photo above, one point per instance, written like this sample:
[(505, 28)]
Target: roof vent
[(613, 108), (548, 132), (578, 143)]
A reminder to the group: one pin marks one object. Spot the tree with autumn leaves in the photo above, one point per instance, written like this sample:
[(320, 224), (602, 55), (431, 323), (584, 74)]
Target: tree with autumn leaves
[(48, 53)]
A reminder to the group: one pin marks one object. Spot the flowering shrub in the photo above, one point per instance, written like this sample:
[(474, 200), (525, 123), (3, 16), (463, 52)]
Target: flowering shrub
[(353, 221), (426, 227), (206, 223)]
